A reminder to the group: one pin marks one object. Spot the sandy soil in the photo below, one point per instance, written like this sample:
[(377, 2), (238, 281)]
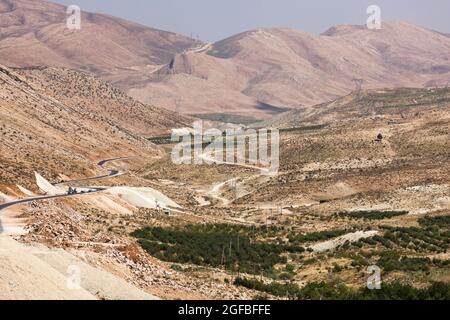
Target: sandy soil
[(36, 272)]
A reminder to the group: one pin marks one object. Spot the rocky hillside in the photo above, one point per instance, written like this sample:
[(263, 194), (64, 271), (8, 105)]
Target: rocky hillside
[(390, 103), (59, 121)]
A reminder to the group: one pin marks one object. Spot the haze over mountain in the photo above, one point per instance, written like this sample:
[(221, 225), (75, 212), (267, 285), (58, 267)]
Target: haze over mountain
[(291, 68), (359, 173), (257, 73), (33, 32)]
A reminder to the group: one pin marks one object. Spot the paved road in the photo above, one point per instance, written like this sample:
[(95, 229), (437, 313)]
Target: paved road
[(111, 173), (103, 162), (28, 200), (65, 195)]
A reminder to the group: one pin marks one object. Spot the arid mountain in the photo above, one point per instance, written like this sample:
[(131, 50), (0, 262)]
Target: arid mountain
[(291, 68), (257, 73), (332, 179), (58, 121), (34, 33)]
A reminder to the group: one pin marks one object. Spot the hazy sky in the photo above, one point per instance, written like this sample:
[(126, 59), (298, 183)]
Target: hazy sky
[(212, 20)]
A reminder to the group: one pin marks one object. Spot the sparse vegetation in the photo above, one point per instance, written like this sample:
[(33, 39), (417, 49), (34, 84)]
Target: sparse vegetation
[(392, 261), (303, 129), (161, 140), (327, 168), (430, 239), (227, 118)]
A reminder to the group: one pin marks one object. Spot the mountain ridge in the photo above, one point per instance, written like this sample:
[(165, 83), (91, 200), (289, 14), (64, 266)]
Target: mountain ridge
[(291, 68), (282, 67)]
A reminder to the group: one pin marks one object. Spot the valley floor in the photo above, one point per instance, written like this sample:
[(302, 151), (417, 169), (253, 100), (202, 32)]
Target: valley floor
[(343, 201)]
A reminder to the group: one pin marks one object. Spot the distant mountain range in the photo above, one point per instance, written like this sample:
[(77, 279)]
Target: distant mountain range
[(257, 73)]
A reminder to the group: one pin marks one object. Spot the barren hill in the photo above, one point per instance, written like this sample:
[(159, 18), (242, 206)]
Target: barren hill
[(366, 104), (60, 121), (87, 92), (291, 68), (257, 73)]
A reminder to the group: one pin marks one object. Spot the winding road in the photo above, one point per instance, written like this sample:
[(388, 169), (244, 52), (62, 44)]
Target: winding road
[(31, 199), (111, 174)]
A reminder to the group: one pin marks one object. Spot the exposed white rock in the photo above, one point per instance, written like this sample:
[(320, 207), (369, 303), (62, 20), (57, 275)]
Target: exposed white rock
[(47, 187), (144, 197), (350, 237)]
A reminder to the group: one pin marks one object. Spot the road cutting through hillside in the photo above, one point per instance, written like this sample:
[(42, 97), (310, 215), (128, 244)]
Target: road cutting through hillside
[(111, 174), (141, 197)]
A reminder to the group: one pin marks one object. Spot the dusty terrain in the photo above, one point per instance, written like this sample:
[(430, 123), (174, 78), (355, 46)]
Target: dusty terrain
[(324, 171), (364, 176)]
